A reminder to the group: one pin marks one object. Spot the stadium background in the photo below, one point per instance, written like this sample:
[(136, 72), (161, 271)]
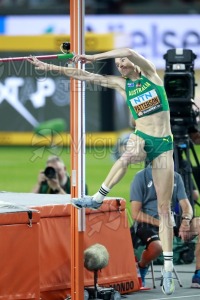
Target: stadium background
[(28, 98)]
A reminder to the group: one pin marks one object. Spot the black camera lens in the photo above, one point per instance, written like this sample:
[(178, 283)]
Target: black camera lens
[(66, 46), (50, 172)]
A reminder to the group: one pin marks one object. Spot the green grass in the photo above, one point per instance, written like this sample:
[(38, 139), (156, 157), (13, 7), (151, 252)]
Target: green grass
[(19, 168)]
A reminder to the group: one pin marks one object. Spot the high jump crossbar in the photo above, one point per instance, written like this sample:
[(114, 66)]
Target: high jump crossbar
[(42, 57)]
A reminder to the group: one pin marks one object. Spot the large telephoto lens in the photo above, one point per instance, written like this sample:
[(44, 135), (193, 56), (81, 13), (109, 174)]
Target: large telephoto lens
[(50, 172)]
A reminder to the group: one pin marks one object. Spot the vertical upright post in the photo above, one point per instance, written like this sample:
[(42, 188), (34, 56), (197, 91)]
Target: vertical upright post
[(77, 131)]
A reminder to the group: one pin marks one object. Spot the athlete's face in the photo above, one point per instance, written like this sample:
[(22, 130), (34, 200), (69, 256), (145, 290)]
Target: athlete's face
[(125, 66)]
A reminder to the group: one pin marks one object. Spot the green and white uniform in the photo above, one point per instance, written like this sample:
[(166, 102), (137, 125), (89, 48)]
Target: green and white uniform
[(145, 98)]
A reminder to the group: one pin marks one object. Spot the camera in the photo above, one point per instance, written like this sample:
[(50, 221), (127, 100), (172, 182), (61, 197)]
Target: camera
[(50, 173), (179, 78), (66, 46), (179, 82), (102, 293)]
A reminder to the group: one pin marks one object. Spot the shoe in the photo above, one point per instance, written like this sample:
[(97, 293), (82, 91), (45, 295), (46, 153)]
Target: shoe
[(168, 286), (143, 273), (86, 202), (196, 280)]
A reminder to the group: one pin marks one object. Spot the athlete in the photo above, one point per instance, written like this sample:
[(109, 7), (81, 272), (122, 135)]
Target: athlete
[(144, 93)]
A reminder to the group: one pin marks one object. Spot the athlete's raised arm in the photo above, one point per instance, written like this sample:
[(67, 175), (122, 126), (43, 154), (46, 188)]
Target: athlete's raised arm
[(145, 65), (114, 82)]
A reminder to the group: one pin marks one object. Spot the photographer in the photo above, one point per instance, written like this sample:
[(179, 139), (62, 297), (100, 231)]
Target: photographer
[(54, 179)]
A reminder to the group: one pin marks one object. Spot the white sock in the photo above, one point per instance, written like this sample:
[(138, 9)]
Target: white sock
[(100, 195), (168, 261)]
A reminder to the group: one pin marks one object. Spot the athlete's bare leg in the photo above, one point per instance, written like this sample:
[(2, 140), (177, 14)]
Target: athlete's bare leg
[(163, 177), (134, 154)]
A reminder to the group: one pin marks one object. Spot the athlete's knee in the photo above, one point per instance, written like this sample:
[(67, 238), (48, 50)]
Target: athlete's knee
[(166, 218), (135, 145), (164, 207), (124, 161), (132, 156)]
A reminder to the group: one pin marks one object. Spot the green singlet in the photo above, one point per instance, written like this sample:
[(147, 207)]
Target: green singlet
[(145, 97)]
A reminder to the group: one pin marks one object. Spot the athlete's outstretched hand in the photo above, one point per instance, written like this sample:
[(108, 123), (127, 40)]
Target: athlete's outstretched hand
[(83, 58), (39, 65)]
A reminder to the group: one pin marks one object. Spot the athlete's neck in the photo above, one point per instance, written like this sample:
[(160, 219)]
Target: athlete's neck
[(135, 76)]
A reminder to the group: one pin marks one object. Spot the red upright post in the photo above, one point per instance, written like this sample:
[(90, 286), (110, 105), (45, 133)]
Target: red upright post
[(77, 127)]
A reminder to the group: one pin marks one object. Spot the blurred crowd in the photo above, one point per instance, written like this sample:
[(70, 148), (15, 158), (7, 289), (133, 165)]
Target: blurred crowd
[(105, 6)]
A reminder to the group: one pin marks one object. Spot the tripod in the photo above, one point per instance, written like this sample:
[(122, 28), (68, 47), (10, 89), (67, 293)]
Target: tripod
[(182, 164), (183, 148)]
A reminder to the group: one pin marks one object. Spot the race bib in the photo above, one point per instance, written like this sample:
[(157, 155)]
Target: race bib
[(147, 103)]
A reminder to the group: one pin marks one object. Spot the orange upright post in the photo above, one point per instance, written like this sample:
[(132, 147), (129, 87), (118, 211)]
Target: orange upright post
[(77, 127)]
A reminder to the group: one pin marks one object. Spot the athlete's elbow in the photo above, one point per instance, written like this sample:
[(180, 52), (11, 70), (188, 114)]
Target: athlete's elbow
[(128, 51)]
